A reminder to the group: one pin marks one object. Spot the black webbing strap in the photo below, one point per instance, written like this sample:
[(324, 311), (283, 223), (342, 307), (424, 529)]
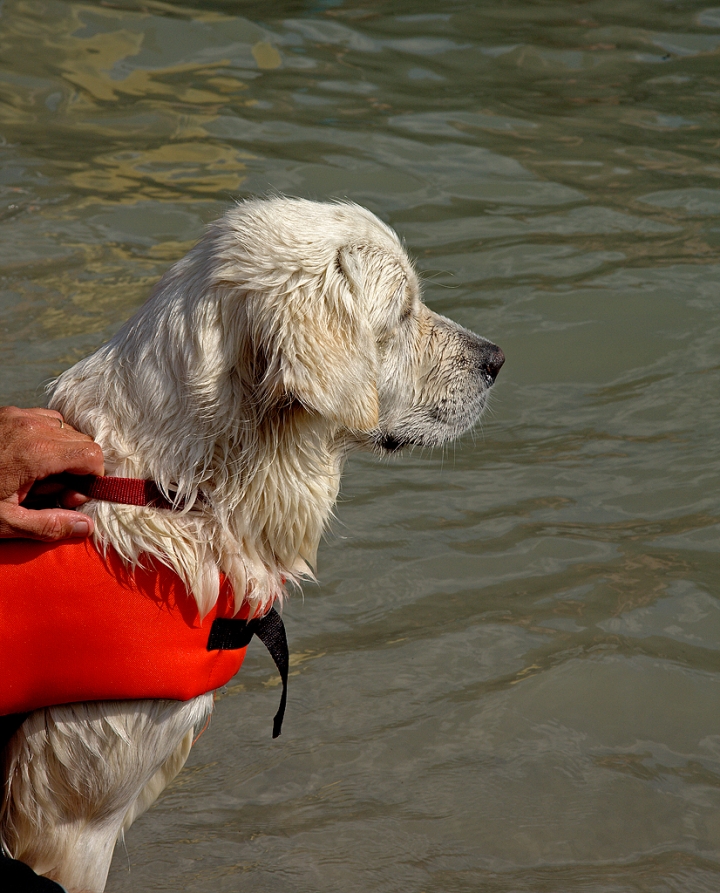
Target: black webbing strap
[(16, 877), (8, 726), (227, 635)]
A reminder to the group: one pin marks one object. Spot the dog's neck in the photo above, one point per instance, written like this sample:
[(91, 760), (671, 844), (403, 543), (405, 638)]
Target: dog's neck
[(261, 514)]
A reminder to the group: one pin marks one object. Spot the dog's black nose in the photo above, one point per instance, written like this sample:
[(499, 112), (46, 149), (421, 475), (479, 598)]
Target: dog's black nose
[(493, 358)]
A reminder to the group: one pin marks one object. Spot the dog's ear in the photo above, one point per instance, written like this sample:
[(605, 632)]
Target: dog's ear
[(325, 347)]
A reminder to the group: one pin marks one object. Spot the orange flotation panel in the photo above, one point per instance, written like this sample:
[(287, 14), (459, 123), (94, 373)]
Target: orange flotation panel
[(75, 626)]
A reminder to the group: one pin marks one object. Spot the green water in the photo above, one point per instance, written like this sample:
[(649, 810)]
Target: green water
[(508, 679)]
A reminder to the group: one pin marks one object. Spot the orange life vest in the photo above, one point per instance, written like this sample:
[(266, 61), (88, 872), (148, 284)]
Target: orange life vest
[(75, 626)]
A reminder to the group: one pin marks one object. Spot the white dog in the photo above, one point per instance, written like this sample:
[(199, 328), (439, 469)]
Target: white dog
[(290, 335)]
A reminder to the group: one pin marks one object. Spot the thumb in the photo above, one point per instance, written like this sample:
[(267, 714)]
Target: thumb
[(47, 524)]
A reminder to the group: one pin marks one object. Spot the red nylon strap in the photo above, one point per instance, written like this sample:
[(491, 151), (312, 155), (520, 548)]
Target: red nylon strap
[(127, 491)]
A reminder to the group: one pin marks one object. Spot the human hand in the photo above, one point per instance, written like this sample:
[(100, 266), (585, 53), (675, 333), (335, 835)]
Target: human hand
[(35, 445)]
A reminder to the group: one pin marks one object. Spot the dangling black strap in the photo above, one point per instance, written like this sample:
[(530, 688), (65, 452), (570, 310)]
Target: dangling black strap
[(271, 631), (227, 635)]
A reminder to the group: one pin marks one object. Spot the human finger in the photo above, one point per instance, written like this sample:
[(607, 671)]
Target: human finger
[(47, 525), (18, 423), (53, 492), (32, 416), (51, 416), (73, 452), (70, 499)]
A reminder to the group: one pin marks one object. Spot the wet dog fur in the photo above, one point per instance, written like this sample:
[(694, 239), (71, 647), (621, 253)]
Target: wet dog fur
[(292, 334)]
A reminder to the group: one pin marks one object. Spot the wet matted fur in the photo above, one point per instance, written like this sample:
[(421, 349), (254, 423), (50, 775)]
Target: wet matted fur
[(290, 335)]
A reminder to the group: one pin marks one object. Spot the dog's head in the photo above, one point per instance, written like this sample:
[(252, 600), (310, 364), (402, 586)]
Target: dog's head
[(332, 317)]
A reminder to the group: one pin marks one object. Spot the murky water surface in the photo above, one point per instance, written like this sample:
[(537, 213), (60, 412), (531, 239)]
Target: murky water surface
[(509, 677)]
